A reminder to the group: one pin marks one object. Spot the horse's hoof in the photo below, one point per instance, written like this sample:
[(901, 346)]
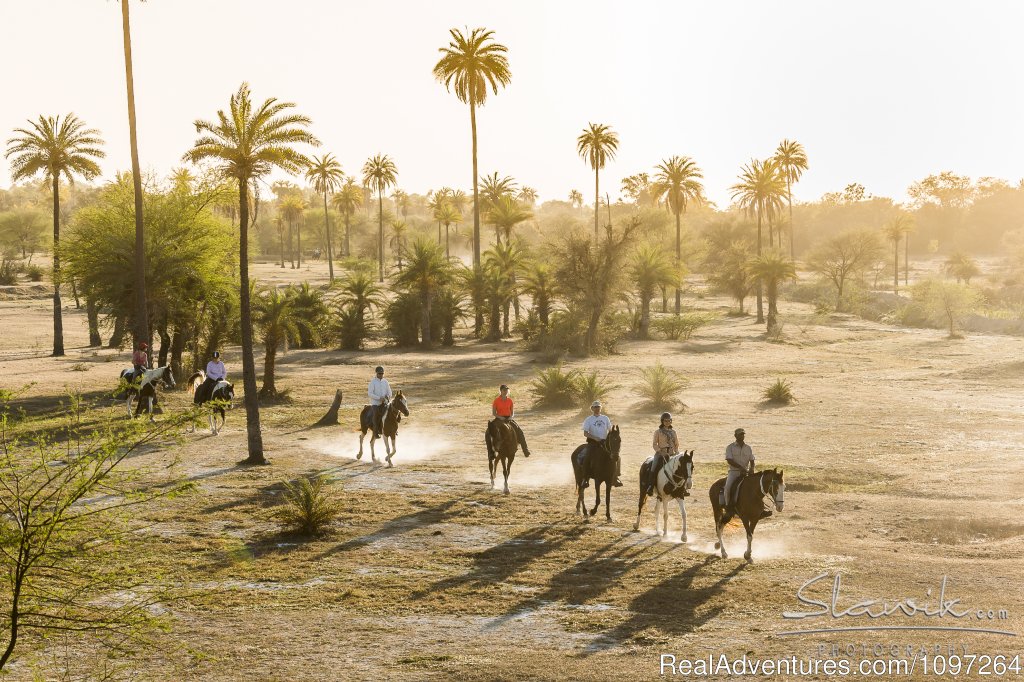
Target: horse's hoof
[(718, 545), (724, 555), (390, 465), (746, 555), (507, 491), (359, 456), (682, 538), (636, 527)]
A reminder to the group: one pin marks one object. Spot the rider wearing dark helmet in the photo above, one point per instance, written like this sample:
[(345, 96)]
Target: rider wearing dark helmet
[(380, 393), (666, 444), (215, 371)]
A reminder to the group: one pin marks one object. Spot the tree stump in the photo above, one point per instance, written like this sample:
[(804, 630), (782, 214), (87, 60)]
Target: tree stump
[(331, 418)]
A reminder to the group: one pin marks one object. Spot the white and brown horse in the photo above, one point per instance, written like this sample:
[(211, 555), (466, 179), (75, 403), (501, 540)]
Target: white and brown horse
[(751, 493), (674, 481), (393, 411), (219, 399), (145, 389)]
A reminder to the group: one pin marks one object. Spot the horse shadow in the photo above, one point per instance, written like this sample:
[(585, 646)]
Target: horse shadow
[(675, 607)]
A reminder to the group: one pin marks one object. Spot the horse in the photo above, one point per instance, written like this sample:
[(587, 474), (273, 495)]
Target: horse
[(750, 492), (146, 389), (221, 396), (502, 444), (393, 411), (598, 465), (677, 474)]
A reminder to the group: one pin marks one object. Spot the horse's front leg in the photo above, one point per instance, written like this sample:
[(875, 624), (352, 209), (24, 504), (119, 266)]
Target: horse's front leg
[(362, 435), (492, 466), (640, 510), (719, 513), (608, 500), (682, 512), (149, 409), (506, 468), (392, 451), (597, 497), (581, 505), (749, 526), (664, 518)]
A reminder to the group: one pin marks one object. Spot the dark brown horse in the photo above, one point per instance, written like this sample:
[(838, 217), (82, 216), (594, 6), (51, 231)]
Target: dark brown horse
[(502, 445), (754, 489), (596, 461), (393, 411)]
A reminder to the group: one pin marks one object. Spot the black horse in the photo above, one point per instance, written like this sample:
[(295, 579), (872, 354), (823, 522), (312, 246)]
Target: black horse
[(145, 389), (219, 398), (596, 461), (750, 493), (502, 444)]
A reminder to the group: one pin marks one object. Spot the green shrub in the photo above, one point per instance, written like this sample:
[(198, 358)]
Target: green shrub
[(352, 328), (554, 388), (311, 504), (34, 273), (660, 387), (591, 387), (781, 392), (8, 273), (402, 318), (680, 327)]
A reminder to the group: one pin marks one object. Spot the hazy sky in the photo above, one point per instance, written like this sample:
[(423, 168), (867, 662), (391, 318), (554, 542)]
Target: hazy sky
[(881, 93)]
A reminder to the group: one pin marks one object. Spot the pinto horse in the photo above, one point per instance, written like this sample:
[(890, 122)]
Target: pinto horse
[(502, 444), (219, 399), (750, 492), (145, 390), (674, 481), (393, 411), (596, 461)]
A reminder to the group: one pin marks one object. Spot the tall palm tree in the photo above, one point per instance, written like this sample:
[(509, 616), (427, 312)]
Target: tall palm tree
[(380, 173), (248, 142), (347, 201), (469, 66), (597, 145), (576, 198), (292, 209), (893, 231), (650, 270), (435, 201), (399, 232), (772, 268), (792, 160), (907, 226), (508, 259), (426, 273), (760, 191), (447, 215), (505, 214), (527, 195), (56, 148), (401, 199), (141, 331), (325, 175), (678, 181)]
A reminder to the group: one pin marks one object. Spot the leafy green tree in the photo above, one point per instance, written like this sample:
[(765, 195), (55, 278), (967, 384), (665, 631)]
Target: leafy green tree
[(844, 257), (678, 181), (470, 66), (759, 192), (731, 272), (426, 273), (326, 177), (962, 267), (946, 302), (56, 148), (310, 306), (380, 173), (649, 270), (505, 214), (772, 268), (23, 229), (474, 281), (347, 201), (792, 160), (448, 309), (278, 321), (597, 145), (247, 144)]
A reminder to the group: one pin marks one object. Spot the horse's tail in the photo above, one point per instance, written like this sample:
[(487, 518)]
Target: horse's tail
[(194, 380)]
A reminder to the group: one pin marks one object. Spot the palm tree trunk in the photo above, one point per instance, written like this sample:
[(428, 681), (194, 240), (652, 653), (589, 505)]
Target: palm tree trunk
[(645, 316), (291, 245), (348, 249), (679, 257), (597, 203), (906, 258), (58, 321), (447, 248), (177, 351), (281, 235), (269, 388), (92, 313), (789, 195), (141, 332), (896, 267), (426, 319), (760, 304), (252, 403), (327, 227), (380, 235), (476, 191), (298, 243)]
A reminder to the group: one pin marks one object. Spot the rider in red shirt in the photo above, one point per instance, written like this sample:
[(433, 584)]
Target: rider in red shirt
[(140, 360), (503, 408)]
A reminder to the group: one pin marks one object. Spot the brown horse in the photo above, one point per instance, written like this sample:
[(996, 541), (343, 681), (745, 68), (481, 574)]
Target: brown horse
[(752, 491), (393, 411), (502, 445), (596, 461)]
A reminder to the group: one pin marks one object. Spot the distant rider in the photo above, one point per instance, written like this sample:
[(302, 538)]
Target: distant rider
[(215, 371), (504, 409), (596, 428), (741, 463), (380, 394)]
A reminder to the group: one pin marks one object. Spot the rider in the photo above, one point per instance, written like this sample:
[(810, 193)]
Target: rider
[(666, 444), (741, 463), (504, 409), (215, 371), (140, 360), (380, 393), (595, 429)]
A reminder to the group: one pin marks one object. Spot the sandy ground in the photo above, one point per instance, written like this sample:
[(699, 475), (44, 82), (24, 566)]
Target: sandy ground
[(902, 458)]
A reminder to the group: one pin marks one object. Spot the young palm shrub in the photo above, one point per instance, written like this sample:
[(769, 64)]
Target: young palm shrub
[(277, 323), (772, 268), (357, 297), (449, 309), (310, 306), (311, 504), (660, 387), (680, 327), (426, 273), (591, 387), (539, 285), (781, 392), (554, 388), (473, 281), (650, 270), (402, 318)]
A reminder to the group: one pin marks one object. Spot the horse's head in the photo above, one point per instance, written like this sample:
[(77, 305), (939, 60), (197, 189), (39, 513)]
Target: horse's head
[(167, 377), (614, 442), (687, 463), (229, 392), (401, 404), (775, 486)]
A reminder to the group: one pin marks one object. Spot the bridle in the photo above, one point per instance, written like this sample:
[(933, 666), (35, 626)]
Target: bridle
[(687, 473), (775, 490)]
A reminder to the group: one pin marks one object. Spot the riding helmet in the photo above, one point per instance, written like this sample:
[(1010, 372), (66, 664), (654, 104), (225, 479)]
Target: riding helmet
[(143, 346), (666, 415), (216, 353), (378, 369)]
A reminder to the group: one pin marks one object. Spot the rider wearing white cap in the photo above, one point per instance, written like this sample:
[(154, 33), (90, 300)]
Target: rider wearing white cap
[(596, 428), (380, 393)]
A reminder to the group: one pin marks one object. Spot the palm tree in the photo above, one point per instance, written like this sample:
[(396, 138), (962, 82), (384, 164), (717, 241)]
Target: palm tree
[(399, 230), (325, 175), (650, 270), (141, 332), (380, 173), (907, 227), (792, 160), (527, 195), (280, 222), (894, 232), (248, 143), (539, 285), (470, 65), (597, 145), (576, 199), (446, 214), (505, 214), (401, 199), (347, 201), (507, 258), (278, 322), (426, 273), (772, 268), (760, 191), (292, 209), (357, 297), (678, 182), (56, 148)]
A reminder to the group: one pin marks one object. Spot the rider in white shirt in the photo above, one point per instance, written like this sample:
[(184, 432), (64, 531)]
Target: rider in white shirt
[(596, 428), (380, 393)]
